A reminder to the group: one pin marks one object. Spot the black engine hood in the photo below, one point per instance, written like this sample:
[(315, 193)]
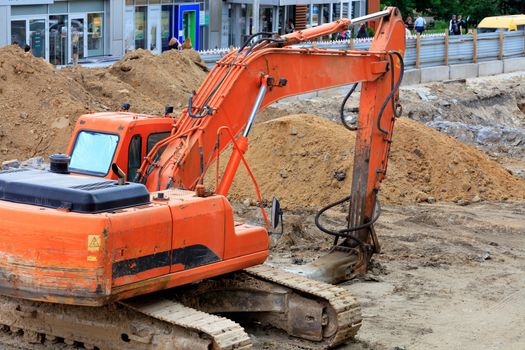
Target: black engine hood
[(79, 194)]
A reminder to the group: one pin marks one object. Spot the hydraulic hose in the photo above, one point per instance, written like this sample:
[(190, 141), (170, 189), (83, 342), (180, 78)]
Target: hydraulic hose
[(395, 88), (346, 232), (342, 110)]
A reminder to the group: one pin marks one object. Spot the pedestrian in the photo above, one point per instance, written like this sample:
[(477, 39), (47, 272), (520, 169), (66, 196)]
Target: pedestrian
[(27, 48), (290, 28), (343, 35), (453, 26), (173, 44), (420, 24), (362, 33), (186, 44), (410, 23), (74, 48), (462, 25)]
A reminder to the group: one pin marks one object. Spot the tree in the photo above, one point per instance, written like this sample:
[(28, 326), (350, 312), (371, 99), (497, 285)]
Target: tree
[(405, 6), (443, 9)]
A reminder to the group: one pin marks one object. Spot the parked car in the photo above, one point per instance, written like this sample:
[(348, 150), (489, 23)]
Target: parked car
[(504, 23)]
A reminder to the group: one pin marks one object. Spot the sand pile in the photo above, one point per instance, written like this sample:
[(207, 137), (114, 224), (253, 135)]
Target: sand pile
[(147, 81), (308, 151), (168, 78), (39, 105)]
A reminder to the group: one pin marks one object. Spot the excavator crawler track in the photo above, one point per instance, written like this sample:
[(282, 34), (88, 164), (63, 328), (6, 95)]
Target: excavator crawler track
[(135, 324), (345, 314), (322, 314), (224, 333)]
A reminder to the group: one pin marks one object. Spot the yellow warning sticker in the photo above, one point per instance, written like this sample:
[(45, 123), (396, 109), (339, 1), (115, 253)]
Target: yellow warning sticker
[(93, 243), (92, 258)]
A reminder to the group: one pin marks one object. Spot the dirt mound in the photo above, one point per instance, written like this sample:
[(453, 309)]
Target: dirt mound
[(167, 78), (39, 104), (308, 151)]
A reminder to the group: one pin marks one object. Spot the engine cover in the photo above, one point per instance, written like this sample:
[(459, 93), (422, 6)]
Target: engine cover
[(74, 193)]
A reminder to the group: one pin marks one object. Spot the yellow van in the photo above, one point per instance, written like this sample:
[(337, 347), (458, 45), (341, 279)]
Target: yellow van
[(505, 23)]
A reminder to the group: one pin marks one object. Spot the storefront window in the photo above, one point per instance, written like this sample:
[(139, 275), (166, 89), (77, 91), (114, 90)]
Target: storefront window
[(166, 26), (78, 29), (95, 34), (140, 27), (58, 39), (37, 37), (18, 33)]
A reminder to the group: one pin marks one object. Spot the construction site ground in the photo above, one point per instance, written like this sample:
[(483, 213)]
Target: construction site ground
[(451, 274)]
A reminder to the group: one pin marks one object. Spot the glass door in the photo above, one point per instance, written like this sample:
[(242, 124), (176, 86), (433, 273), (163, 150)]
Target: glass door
[(140, 27), (189, 25), (154, 28), (58, 47), (37, 37), (19, 33), (77, 37)]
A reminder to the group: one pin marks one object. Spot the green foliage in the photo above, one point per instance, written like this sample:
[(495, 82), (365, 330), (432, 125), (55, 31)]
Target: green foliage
[(443, 9)]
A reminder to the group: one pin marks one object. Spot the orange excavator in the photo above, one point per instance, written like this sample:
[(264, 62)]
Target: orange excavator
[(91, 250)]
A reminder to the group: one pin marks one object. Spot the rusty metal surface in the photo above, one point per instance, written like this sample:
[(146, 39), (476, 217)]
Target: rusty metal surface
[(340, 265)]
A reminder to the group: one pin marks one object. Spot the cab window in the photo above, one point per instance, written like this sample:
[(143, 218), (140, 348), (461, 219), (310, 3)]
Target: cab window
[(93, 153), (154, 138), (134, 156)]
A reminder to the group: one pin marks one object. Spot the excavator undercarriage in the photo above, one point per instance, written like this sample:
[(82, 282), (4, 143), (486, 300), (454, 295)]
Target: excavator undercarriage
[(186, 317)]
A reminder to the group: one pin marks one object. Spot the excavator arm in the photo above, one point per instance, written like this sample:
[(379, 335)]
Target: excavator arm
[(269, 68)]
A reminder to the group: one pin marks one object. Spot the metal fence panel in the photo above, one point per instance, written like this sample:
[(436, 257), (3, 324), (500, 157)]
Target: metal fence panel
[(513, 44), (488, 46), (432, 51)]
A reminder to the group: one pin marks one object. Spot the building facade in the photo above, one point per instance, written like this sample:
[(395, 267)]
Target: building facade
[(55, 29)]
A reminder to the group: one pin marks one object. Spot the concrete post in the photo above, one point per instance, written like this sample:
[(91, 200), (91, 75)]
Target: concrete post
[(5, 25), (116, 27), (215, 18), (225, 26), (256, 16), (311, 13), (350, 6), (247, 22), (331, 13), (275, 19), (236, 30), (341, 9)]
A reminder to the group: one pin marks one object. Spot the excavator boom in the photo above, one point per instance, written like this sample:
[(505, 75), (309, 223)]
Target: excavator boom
[(267, 70), (230, 92)]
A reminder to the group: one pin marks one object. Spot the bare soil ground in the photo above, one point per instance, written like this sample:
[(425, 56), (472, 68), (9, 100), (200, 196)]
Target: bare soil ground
[(449, 277)]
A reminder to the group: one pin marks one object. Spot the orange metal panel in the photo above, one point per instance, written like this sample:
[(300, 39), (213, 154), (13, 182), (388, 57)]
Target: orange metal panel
[(52, 252), (139, 232)]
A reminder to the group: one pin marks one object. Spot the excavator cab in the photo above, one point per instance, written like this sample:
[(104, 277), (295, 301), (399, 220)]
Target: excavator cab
[(122, 138)]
